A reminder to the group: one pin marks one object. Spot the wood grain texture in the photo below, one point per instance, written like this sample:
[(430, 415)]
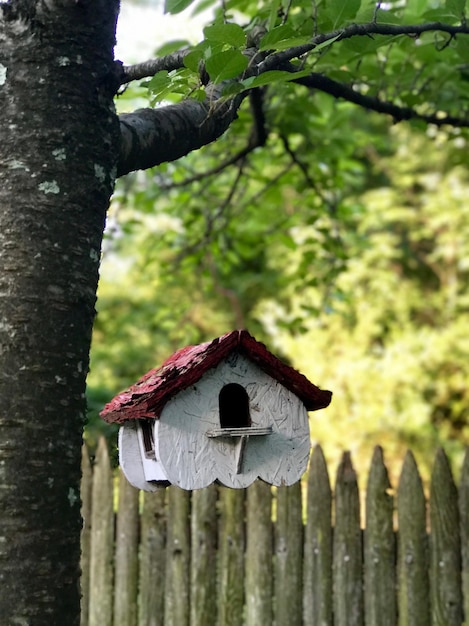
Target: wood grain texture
[(413, 560), (154, 520), (258, 580), (347, 548), (177, 579), (317, 590), (204, 557), (231, 552), (102, 540), (380, 547), (193, 460), (288, 586), (126, 555), (445, 546)]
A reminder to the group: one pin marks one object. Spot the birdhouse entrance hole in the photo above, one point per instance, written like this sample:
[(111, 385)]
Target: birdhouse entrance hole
[(233, 403), (235, 416)]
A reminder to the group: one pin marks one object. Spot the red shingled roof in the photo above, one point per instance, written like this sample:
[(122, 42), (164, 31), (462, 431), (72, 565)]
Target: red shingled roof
[(147, 397)]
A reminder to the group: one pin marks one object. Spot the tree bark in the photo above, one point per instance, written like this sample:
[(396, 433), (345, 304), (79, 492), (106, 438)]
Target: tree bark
[(58, 148), (154, 136)]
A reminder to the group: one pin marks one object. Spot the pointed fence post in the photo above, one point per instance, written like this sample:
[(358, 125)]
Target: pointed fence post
[(204, 557), (258, 582), (231, 542), (445, 546), (208, 558), (288, 588), (126, 555), (413, 580), (380, 547), (347, 548), (177, 590), (153, 558), (317, 585), (102, 539)]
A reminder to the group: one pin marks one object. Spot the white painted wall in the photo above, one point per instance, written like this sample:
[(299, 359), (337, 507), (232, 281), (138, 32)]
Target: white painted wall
[(192, 460), (132, 463)]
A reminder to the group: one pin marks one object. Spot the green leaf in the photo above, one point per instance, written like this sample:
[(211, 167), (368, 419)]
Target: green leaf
[(225, 65), (176, 6), (166, 85), (326, 43), (273, 76), (281, 38), (342, 11), (289, 43), (275, 35), (462, 48), (416, 7), (161, 80), (273, 15), (193, 59), (171, 46), (456, 7), (232, 89), (199, 94), (202, 6), (357, 48), (230, 34), (439, 15)]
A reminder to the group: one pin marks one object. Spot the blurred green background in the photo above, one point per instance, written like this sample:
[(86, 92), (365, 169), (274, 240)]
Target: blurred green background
[(343, 244)]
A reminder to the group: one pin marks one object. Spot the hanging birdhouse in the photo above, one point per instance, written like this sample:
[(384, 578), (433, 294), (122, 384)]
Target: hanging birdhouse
[(227, 410)]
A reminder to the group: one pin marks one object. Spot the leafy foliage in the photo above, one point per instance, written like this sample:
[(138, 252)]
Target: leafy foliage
[(361, 44), (393, 342), (334, 236)]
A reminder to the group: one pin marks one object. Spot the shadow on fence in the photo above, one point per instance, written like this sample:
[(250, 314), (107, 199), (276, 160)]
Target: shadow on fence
[(256, 557)]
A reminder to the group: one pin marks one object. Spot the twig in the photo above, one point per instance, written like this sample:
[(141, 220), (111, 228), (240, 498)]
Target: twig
[(174, 61), (257, 139), (376, 11), (255, 198), (274, 60), (372, 103), (224, 292), (287, 12), (303, 167), (211, 172), (211, 219)]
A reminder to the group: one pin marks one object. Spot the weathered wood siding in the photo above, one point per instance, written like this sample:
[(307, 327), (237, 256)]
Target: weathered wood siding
[(264, 556)]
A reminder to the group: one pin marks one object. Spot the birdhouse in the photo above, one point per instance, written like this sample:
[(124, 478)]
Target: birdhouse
[(227, 410)]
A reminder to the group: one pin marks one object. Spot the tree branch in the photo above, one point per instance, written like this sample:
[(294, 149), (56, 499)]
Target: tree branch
[(274, 60), (303, 167), (213, 217), (372, 103), (174, 61), (232, 160), (257, 139), (153, 136)]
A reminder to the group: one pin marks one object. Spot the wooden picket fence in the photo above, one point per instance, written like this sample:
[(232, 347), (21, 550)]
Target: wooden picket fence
[(263, 556)]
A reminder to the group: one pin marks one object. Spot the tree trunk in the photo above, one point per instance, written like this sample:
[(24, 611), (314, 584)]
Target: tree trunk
[(58, 149)]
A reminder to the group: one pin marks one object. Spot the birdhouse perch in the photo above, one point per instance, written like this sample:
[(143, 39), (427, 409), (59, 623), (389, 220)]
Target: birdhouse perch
[(227, 410)]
